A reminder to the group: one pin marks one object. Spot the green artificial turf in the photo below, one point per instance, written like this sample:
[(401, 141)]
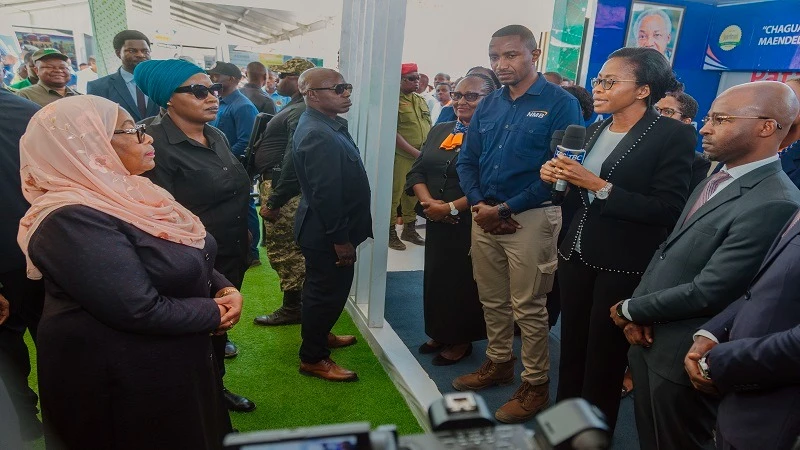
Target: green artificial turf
[(265, 371)]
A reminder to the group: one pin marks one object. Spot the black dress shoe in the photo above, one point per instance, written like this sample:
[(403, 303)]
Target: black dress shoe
[(440, 360), (236, 402), (230, 350), (427, 348)]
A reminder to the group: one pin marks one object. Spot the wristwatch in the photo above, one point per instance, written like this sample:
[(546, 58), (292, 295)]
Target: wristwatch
[(504, 211), (619, 311), (705, 371), (453, 210), (271, 205), (603, 192)]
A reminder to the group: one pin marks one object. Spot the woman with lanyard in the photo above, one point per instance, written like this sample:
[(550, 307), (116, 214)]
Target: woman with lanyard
[(621, 205), (453, 312), (124, 355), (195, 164)]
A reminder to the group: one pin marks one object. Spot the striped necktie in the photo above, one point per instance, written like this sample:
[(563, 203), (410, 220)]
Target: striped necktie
[(711, 186)]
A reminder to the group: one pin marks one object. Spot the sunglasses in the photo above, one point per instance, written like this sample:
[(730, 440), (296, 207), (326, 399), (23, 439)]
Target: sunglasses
[(469, 96), (138, 130), (412, 78), (339, 89), (200, 91), (286, 75)]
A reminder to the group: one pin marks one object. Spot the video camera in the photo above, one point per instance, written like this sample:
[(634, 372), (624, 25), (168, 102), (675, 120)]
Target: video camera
[(458, 421)]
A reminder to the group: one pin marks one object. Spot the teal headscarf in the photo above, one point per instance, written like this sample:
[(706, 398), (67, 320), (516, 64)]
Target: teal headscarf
[(159, 78)]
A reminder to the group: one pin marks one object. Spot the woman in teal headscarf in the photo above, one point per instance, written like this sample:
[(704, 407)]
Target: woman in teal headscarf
[(195, 164)]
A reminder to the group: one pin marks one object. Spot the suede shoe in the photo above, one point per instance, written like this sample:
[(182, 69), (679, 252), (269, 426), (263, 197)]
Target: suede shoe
[(230, 350), (489, 374), (281, 316), (525, 403), (236, 402), (410, 234), (328, 370), (394, 241), (335, 341)]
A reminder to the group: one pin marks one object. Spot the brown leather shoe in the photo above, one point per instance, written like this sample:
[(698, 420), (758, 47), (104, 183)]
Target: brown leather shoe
[(489, 374), (525, 403), (335, 341), (328, 370)]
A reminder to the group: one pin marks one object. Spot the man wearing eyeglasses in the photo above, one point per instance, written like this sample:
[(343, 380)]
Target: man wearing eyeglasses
[(725, 230), (53, 72), (333, 217), (132, 47), (682, 106), (280, 195)]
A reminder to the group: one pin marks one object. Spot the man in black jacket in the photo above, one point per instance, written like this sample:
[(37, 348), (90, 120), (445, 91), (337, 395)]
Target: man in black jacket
[(25, 297), (333, 217)]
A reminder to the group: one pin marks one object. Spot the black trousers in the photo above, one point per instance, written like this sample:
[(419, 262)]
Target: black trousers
[(554, 302), (26, 299), (670, 415), (233, 269), (593, 349), (325, 293)]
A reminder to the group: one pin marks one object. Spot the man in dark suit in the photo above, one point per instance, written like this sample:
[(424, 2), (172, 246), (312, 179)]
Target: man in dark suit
[(790, 147), (132, 47), (716, 248), (24, 297), (333, 217), (750, 355)]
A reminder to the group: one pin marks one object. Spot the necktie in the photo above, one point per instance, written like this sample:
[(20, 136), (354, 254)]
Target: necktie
[(141, 103), (792, 224), (711, 186)]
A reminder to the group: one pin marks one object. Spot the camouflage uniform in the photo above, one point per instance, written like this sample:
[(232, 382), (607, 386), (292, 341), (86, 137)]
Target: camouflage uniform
[(284, 254)]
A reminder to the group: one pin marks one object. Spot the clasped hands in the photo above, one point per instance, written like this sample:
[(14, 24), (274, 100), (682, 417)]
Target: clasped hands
[(229, 301), (635, 334), (438, 211), (567, 169), (490, 222), (702, 345)]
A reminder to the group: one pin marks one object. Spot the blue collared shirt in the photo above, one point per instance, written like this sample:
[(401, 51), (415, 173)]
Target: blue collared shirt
[(235, 119), (509, 140), (279, 100), (127, 77)]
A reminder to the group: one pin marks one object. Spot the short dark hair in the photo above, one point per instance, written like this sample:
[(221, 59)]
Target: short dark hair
[(486, 72), (584, 99), (129, 35), (555, 75), (689, 106), (650, 68), (524, 34)]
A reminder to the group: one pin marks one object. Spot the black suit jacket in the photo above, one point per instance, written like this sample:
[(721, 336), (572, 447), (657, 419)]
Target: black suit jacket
[(756, 365), (113, 87), (335, 203), (651, 170)]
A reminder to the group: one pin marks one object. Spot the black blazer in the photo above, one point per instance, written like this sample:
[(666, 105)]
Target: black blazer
[(113, 87), (651, 169), (335, 203)]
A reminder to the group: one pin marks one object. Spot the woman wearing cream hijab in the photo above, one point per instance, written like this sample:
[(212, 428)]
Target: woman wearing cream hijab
[(124, 355)]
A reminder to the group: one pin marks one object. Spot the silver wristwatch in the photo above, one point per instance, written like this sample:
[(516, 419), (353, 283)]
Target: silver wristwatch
[(603, 192), (453, 210)]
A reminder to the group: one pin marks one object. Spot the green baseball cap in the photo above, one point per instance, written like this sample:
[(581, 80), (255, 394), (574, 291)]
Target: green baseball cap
[(294, 66), (48, 53)]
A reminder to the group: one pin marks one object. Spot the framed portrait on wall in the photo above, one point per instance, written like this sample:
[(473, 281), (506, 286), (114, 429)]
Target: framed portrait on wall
[(655, 26)]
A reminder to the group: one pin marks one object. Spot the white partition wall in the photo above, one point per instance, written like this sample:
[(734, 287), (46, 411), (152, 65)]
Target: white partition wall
[(370, 59)]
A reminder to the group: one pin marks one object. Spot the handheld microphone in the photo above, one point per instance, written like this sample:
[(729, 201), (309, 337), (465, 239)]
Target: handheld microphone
[(572, 147)]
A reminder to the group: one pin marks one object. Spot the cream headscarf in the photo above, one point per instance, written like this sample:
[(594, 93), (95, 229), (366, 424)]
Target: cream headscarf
[(66, 158)]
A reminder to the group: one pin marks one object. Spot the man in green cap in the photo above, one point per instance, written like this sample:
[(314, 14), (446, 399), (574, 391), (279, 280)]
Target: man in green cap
[(280, 194), (50, 65)]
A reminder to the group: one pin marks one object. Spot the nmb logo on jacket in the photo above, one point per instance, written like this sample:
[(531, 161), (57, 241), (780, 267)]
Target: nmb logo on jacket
[(537, 114)]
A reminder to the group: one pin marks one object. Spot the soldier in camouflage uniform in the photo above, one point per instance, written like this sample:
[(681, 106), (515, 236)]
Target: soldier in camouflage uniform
[(280, 195)]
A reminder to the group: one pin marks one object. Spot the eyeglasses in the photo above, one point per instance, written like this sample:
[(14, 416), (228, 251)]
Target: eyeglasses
[(138, 130), (469, 96), (608, 83), (412, 78), (719, 119), (667, 112), (339, 89), (200, 91)]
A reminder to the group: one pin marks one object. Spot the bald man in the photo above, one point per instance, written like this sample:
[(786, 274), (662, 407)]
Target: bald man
[(333, 217), (722, 236), (790, 147), (254, 88)]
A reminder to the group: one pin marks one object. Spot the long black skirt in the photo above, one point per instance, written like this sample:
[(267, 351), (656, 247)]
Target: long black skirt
[(453, 311)]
